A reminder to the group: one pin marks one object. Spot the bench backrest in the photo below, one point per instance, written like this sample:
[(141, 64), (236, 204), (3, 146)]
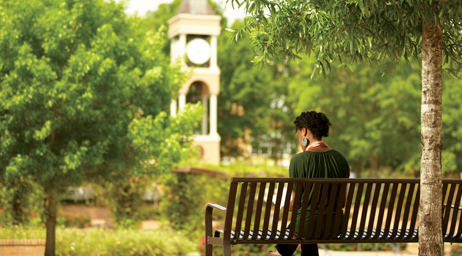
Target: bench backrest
[(368, 205)]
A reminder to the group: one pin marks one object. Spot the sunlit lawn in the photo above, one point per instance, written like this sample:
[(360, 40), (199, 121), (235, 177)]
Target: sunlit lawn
[(71, 241)]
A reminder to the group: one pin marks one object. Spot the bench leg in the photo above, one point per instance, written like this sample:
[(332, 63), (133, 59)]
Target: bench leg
[(208, 230), (226, 250), (208, 249)]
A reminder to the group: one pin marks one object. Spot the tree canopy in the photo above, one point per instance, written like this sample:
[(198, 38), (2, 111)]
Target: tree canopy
[(351, 31), (254, 100), (374, 118), (73, 83), (84, 95)]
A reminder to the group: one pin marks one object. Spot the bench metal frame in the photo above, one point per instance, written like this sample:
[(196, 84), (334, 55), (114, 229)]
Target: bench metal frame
[(375, 210)]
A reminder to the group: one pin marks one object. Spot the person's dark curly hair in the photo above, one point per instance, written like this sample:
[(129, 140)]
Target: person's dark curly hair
[(316, 122)]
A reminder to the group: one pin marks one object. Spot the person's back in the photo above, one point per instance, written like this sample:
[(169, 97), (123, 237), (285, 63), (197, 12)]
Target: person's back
[(310, 164), (317, 160)]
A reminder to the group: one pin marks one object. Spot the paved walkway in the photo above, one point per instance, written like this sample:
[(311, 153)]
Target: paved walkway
[(363, 253), (412, 249)]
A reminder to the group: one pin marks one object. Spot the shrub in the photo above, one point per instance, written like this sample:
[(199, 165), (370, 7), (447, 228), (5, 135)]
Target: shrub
[(186, 197), (456, 250), (35, 219), (4, 217), (73, 221), (241, 250), (18, 199), (124, 199), (70, 242), (22, 233), (185, 194)]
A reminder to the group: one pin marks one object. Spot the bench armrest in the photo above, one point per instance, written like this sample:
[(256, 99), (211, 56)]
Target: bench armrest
[(208, 218), (216, 206)]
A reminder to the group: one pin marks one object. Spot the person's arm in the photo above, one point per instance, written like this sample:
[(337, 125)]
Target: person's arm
[(292, 174)]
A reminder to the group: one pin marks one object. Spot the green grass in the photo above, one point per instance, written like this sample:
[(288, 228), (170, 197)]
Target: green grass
[(109, 242), (19, 233)]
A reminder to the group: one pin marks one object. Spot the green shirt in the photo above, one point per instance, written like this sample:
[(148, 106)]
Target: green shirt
[(308, 164)]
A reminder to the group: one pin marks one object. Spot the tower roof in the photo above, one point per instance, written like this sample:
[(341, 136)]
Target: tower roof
[(196, 7)]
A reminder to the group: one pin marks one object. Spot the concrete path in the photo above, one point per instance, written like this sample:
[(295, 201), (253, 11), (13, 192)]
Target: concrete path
[(412, 249), (368, 253)]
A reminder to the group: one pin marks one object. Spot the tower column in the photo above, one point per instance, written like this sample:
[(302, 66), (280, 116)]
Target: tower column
[(213, 48), (213, 114), (182, 101), (182, 46), (173, 50), (205, 118), (173, 108)]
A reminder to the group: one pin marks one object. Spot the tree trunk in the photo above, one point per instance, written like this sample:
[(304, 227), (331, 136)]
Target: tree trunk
[(358, 167), (51, 211), (18, 201), (373, 161), (430, 231)]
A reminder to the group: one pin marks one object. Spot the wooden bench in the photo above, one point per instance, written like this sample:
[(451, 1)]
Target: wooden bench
[(375, 210)]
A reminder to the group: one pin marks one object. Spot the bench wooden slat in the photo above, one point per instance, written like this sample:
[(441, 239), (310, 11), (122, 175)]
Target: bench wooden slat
[(249, 212), (285, 213), (399, 208), (350, 233), (230, 211), (354, 233), (455, 211), (458, 212), (450, 197), (277, 208), (445, 209), (351, 190), (259, 209), (313, 205), (407, 209), (305, 202), (365, 209), (383, 201), (259, 234), (296, 206), (444, 191), (269, 199), (390, 209), (330, 210), (338, 212), (459, 230), (322, 207), (415, 211), (357, 203), (334, 180), (240, 209), (374, 205)]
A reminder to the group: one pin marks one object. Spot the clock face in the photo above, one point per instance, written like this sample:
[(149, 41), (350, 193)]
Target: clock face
[(198, 51)]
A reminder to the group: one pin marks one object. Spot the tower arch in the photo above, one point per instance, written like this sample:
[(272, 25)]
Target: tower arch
[(193, 32)]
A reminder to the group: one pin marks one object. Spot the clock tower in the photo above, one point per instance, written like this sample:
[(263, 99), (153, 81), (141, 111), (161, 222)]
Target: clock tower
[(193, 32)]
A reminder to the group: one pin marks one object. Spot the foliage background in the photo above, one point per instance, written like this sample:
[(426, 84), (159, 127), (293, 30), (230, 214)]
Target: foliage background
[(375, 118), (84, 97)]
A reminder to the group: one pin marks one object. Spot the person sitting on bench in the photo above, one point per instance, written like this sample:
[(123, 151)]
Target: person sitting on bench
[(317, 160)]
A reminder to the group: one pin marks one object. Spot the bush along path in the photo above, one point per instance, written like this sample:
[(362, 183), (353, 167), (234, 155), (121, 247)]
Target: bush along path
[(73, 242)]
